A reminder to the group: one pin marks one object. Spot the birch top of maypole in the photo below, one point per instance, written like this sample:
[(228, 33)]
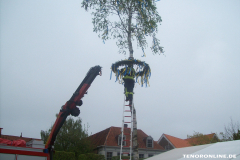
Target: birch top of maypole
[(126, 21)]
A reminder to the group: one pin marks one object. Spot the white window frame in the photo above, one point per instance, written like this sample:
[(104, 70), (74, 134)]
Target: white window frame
[(149, 138), (142, 155), (119, 140)]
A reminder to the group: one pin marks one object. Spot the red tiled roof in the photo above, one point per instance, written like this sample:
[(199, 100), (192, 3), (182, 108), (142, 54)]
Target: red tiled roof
[(177, 142), (206, 140), (13, 138), (180, 143), (109, 137)]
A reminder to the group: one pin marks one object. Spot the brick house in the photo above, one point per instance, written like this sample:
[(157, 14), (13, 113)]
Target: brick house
[(108, 143)]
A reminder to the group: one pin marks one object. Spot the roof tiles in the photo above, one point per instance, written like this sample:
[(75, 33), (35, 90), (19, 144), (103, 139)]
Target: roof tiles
[(109, 137), (180, 143), (201, 140), (177, 142), (13, 138)]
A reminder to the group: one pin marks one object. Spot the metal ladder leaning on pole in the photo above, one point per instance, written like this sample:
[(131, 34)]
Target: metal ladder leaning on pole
[(127, 119)]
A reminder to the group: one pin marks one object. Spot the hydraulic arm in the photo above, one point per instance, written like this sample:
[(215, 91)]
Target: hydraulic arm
[(70, 107)]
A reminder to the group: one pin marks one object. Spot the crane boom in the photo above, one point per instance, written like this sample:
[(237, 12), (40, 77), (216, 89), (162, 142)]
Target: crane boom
[(70, 107)]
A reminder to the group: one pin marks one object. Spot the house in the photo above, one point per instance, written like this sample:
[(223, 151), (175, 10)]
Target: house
[(169, 142), (30, 142), (108, 143)]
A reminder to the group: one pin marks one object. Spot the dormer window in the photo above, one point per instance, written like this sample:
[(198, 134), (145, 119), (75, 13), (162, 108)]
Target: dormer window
[(120, 138), (149, 142)]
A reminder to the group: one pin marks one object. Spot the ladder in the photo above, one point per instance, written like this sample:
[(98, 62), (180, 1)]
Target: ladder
[(127, 136)]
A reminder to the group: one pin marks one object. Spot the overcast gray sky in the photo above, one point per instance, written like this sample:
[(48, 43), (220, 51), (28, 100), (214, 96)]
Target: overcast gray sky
[(47, 47)]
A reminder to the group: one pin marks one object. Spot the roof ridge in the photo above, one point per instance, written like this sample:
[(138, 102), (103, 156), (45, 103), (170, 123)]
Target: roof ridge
[(99, 132), (107, 135), (173, 136), (203, 135), (143, 132), (20, 137)]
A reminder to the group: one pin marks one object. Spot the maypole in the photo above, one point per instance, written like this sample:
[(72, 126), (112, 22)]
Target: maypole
[(130, 20)]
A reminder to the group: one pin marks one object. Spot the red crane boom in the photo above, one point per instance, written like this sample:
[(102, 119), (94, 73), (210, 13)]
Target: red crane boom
[(70, 107)]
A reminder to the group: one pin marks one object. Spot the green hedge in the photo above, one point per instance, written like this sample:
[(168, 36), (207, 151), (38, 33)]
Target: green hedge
[(61, 155), (91, 156)]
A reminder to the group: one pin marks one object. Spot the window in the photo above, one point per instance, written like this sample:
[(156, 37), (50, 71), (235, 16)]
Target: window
[(150, 155), (120, 138), (129, 154), (149, 142), (168, 147), (109, 155), (141, 155)]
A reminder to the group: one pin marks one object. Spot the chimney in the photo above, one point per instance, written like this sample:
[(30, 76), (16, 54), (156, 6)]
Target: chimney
[(125, 125), (1, 132)]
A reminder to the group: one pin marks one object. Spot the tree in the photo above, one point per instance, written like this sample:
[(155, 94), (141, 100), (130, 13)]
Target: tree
[(236, 136), (126, 20), (72, 137), (232, 131), (200, 139)]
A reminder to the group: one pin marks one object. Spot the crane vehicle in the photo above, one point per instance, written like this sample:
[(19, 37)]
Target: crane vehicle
[(70, 108)]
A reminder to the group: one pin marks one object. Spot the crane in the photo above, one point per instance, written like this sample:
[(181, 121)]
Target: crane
[(70, 107)]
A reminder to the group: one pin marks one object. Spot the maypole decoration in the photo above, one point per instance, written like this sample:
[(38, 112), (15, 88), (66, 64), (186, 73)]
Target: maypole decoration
[(142, 70)]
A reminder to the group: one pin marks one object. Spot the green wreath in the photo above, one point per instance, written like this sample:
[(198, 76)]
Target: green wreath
[(142, 70)]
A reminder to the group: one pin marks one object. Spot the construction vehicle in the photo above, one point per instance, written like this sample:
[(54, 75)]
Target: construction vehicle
[(70, 108)]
